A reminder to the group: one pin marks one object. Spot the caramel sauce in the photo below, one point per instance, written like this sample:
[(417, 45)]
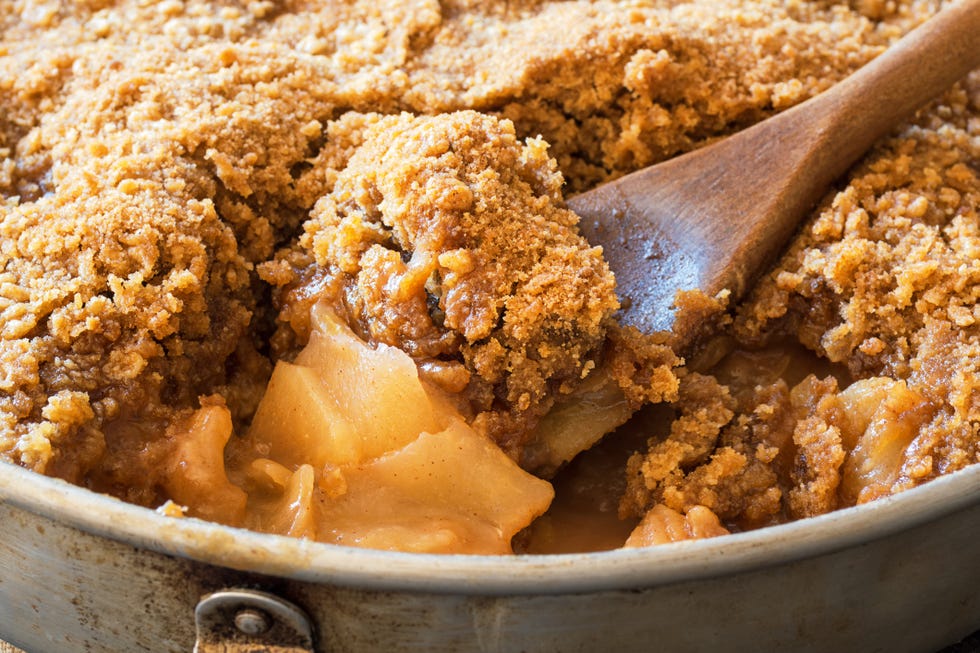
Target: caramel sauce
[(584, 514)]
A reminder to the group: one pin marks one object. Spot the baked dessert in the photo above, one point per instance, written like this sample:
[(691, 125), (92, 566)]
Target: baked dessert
[(254, 255)]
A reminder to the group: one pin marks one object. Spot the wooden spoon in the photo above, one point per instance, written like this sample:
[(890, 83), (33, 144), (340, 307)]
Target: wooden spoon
[(712, 218)]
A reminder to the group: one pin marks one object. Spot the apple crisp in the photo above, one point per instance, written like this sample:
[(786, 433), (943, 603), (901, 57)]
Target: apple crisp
[(303, 265)]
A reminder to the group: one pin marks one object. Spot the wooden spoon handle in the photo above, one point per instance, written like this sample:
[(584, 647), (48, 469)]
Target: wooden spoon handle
[(713, 218), (852, 115), (804, 149)]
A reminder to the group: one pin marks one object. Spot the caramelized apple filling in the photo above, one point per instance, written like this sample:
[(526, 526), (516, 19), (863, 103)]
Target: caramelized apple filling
[(349, 446)]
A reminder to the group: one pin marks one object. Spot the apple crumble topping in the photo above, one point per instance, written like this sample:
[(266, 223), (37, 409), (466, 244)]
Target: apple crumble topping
[(259, 259)]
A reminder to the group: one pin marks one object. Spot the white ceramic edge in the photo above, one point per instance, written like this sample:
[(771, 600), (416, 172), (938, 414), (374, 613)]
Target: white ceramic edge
[(303, 560)]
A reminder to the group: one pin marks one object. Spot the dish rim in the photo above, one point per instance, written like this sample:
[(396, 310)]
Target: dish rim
[(485, 575)]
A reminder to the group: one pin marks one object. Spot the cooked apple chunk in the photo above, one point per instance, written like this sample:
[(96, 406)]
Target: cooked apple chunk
[(348, 446), (662, 525), (288, 509), (196, 477), (894, 415), (576, 422), (453, 491), (342, 402)]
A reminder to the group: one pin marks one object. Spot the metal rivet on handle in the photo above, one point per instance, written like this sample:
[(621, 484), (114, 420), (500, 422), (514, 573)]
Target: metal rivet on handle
[(251, 621), (248, 620)]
